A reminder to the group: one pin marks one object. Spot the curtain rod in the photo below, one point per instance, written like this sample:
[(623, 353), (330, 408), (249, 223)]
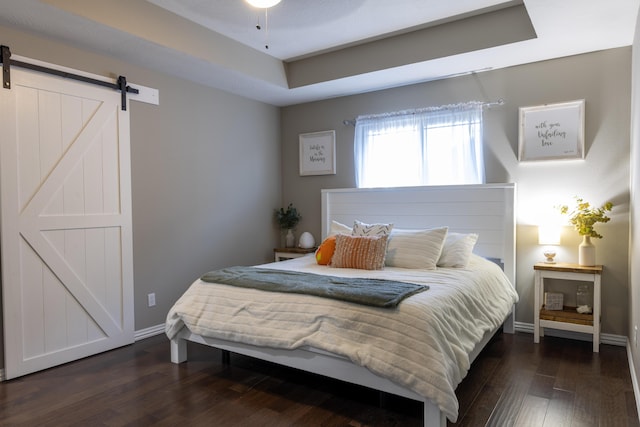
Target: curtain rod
[(352, 122)]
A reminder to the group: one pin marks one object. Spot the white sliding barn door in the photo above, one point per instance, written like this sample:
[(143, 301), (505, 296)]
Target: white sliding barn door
[(65, 201)]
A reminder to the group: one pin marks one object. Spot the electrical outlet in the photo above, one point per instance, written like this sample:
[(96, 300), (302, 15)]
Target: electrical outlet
[(151, 299)]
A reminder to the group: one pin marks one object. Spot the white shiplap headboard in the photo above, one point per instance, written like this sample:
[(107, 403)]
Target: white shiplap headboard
[(485, 209)]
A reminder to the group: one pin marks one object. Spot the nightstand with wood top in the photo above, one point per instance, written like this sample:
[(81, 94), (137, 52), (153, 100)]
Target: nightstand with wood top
[(568, 318), (282, 254)]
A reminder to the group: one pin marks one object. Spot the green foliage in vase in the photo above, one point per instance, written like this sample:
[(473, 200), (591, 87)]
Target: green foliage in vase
[(583, 217), (288, 218)]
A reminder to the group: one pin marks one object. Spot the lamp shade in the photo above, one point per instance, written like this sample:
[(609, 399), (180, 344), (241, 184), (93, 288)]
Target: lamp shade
[(306, 240), (548, 235), (263, 3)]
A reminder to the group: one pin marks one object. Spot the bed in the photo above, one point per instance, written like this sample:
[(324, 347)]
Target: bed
[(438, 352)]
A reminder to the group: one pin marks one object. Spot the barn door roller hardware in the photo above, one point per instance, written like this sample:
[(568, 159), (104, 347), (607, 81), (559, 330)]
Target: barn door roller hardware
[(7, 62)]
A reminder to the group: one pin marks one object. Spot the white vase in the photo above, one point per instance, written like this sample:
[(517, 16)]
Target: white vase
[(586, 252), (290, 239)]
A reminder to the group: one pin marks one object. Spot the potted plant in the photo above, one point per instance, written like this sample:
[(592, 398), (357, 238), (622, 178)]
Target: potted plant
[(287, 220), (583, 217)]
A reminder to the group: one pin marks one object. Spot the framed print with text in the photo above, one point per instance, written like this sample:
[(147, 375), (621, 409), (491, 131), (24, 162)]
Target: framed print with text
[(552, 132), (318, 153)]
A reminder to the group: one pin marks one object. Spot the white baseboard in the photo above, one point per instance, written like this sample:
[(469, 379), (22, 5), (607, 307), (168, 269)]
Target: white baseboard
[(149, 332), (610, 339)]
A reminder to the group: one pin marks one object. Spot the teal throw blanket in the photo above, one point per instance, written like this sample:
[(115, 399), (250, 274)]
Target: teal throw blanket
[(374, 292)]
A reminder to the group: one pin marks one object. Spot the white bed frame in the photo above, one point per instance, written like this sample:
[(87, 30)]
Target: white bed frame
[(488, 210)]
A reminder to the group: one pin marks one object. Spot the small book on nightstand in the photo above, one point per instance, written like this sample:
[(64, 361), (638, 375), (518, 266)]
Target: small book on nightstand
[(553, 300)]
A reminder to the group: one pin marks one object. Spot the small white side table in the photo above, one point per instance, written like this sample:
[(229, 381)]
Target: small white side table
[(567, 319), (281, 254)]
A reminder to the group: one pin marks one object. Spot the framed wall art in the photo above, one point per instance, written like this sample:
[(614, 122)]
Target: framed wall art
[(552, 132), (318, 153)]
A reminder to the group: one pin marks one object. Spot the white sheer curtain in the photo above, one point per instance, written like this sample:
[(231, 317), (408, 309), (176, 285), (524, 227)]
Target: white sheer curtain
[(433, 146)]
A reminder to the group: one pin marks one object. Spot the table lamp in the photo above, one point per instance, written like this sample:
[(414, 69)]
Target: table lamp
[(549, 236)]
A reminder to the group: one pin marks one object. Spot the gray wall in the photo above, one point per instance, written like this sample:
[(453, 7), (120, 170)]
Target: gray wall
[(602, 79), (205, 176), (634, 248)]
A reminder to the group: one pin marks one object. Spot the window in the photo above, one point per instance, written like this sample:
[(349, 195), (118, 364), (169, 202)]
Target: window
[(426, 147)]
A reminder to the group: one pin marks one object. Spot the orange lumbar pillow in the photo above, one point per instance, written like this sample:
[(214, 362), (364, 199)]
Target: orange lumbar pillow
[(325, 250)]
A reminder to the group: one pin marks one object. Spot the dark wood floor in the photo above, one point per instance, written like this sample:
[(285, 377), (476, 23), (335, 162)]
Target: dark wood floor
[(513, 383)]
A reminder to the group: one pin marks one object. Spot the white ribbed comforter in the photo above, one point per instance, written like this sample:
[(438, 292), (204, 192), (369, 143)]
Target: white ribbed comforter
[(423, 344)]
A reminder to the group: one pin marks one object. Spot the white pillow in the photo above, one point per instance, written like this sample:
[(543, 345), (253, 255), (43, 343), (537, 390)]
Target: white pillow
[(363, 229), (339, 228), (457, 250), (415, 248)]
